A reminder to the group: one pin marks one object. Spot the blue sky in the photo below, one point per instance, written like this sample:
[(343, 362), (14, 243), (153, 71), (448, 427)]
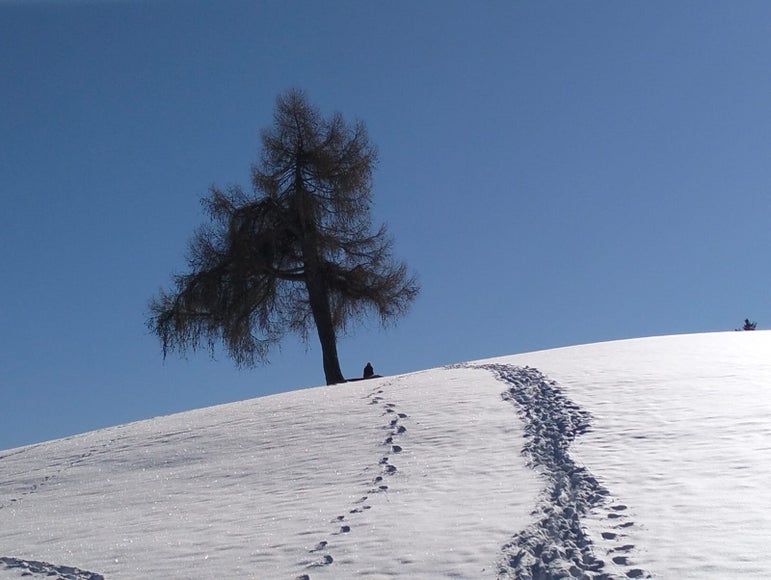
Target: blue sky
[(555, 172)]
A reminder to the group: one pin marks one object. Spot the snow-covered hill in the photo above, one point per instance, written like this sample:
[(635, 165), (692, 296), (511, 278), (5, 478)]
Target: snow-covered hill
[(614, 460)]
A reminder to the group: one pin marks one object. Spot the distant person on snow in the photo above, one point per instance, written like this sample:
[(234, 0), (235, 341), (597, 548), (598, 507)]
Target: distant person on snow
[(749, 325), (369, 372)]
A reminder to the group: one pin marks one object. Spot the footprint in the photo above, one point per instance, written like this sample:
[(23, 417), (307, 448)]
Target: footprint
[(326, 560), (320, 546), (396, 449)]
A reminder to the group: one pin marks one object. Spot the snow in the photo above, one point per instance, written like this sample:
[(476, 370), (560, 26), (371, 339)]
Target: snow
[(263, 488), (681, 433), (613, 460)]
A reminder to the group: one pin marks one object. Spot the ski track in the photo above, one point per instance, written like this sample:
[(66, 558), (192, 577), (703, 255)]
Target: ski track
[(344, 523), (556, 545)]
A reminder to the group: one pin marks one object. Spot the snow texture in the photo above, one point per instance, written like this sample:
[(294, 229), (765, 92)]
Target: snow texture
[(681, 435), (400, 477), (630, 459)]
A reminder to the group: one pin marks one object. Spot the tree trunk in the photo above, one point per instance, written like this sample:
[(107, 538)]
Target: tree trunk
[(318, 294), (319, 300)]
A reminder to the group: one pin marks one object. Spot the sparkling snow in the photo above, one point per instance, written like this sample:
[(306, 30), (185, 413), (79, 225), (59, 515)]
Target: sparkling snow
[(423, 476), (682, 436)]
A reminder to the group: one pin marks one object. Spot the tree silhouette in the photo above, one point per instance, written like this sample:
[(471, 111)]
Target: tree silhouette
[(297, 253)]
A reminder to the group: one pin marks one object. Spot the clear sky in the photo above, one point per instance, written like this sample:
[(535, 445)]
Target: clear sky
[(555, 172)]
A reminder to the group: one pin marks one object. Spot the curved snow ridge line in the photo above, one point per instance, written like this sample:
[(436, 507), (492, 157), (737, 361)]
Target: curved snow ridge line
[(378, 484), (32, 567), (556, 544)]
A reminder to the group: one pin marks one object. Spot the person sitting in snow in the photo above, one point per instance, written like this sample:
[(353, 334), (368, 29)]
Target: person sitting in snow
[(749, 325), (369, 372)]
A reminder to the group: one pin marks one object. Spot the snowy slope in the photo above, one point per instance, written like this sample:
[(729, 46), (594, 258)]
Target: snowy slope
[(681, 434), (645, 457)]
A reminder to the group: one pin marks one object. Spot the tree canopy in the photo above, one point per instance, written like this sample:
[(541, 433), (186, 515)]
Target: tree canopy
[(297, 253)]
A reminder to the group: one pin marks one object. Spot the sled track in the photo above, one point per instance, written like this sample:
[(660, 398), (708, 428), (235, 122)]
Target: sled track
[(556, 544)]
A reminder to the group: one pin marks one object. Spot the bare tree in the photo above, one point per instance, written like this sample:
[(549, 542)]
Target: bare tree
[(297, 253)]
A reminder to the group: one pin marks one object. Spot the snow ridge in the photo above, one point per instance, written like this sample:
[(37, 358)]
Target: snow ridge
[(556, 545), (30, 567)]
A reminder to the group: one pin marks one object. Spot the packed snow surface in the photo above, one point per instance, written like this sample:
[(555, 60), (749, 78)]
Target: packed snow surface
[(637, 458)]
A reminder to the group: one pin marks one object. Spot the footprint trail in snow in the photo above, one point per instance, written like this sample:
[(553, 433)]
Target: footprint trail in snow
[(31, 568), (378, 485), (556, 545)]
